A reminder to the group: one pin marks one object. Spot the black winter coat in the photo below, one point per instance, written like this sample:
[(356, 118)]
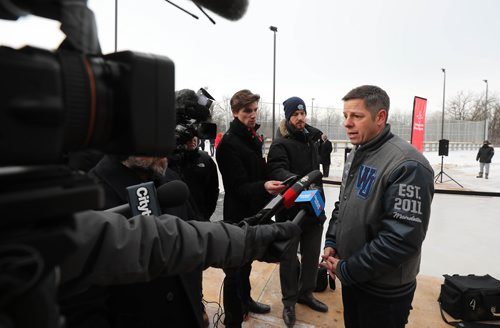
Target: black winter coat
[(199, 171), (485, 154), (325, 151), (242, 166), (294, 153), (173, 301)]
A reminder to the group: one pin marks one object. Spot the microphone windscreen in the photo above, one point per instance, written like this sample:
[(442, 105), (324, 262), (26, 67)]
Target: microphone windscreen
[(230, 9), (173, 193)]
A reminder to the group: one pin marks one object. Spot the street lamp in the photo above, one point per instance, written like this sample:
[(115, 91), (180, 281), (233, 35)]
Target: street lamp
[(442, 114), (274, 29), (443, 144), (312, 109), (486, 112), (116, 25)]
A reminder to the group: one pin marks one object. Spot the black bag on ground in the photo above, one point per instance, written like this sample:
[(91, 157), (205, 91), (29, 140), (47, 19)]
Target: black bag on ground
[(470, 298), (321, 280)]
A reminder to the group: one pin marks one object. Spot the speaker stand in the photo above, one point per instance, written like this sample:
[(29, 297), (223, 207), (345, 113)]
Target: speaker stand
[(439, 176)]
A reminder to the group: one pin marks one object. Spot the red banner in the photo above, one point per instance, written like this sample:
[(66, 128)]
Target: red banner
[(418, 123)]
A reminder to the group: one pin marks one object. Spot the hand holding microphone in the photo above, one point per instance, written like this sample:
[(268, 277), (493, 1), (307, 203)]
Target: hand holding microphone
[(287, 199), (274, 187)]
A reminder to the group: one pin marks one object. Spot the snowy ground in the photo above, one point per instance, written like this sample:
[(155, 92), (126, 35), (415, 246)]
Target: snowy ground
[(464, 231)]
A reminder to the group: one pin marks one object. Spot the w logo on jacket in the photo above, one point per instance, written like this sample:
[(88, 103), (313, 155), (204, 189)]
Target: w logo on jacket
[(364, 183)]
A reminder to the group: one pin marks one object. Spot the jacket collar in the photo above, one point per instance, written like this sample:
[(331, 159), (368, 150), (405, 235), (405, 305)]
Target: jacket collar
[(289, 131), (379, 140), (241, 129)]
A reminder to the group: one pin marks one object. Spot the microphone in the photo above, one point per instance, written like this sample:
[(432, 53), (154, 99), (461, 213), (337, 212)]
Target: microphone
[(293, 192), (170, 194), (230, 9), (286, 200), (143, 199), (310, 201)]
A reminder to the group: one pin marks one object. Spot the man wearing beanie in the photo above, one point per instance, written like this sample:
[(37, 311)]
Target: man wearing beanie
[(296, 153), (243, 171)]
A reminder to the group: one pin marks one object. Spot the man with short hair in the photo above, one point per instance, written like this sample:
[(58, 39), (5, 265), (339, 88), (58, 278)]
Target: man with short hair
[(243, 167), (374, 239), (296, 153)]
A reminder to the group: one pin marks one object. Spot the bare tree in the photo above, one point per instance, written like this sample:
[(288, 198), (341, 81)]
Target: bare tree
[(494, 126), (220, 114), (461, 106)]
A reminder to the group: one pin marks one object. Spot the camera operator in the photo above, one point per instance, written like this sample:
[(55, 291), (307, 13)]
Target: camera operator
[(194, 166)]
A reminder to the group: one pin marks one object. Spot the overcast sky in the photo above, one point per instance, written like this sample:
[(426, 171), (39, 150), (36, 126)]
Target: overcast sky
[(324, 47)]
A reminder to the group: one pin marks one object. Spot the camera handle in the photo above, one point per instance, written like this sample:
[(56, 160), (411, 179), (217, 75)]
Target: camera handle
[(79, 25)]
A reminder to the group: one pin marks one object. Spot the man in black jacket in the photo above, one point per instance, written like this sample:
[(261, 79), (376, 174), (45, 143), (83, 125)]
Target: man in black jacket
[(198, 170), (242, 166), (325, 151), (296, 153), (484, 156)]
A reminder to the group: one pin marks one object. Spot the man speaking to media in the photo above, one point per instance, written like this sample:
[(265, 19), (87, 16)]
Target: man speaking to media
[(374, 239)]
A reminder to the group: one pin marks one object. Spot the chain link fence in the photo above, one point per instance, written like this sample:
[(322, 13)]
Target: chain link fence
[(461, 134)]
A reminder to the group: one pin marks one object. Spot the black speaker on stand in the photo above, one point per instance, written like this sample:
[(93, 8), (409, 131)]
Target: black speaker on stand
[(443, 151), (443, 147)]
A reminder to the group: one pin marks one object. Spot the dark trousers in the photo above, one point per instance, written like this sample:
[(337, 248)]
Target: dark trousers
[(326, 170), (299, 278), (236, 295), (363, 310)]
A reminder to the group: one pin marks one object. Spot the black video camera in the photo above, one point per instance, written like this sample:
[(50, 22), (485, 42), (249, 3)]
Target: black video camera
[(54, 103), (193, 116), (76, 98)]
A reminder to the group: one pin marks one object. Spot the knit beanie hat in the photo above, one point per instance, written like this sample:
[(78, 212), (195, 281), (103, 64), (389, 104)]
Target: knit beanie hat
[(291, 105)]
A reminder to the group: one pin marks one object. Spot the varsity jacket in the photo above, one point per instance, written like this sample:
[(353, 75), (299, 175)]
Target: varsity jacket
[(380, 221)]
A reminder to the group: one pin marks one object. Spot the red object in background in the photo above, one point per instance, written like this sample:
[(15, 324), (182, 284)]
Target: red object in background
[(217, 139), (418, 123)]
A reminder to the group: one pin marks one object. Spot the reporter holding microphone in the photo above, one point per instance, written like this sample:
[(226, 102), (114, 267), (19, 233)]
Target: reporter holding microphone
[(243, 170)]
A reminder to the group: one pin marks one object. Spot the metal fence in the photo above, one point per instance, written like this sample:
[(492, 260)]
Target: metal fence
[(329, 120)]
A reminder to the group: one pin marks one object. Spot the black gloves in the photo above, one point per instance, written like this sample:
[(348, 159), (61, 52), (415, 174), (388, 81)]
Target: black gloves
[(269, 242)]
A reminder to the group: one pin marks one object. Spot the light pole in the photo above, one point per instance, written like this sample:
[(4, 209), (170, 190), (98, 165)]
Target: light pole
[(443, 144), (116, 25), (486, 112), (274, 29), (312, 109), (442, 114)]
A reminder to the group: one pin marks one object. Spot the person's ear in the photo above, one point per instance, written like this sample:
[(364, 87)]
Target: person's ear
[(381, 117)]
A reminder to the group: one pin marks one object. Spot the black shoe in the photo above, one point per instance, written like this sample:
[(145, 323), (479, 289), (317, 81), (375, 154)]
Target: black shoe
[(289, 315), (257, 307), (313, 303)]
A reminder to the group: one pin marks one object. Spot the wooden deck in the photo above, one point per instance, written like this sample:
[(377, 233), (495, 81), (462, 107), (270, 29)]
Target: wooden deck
[(266, 289)]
